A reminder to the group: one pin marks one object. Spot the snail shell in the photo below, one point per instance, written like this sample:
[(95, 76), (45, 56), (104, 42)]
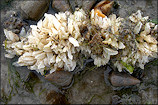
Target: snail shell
[(103, 8), (122, 79)]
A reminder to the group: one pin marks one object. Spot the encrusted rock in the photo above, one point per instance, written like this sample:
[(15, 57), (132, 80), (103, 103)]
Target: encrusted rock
[(15, 24)]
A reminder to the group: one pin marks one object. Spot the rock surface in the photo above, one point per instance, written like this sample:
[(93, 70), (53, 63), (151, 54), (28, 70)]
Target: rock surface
[(34, 10), (64, 5), (61, 5), (148, 7), (89, 86), (30, 86), (89, 90)]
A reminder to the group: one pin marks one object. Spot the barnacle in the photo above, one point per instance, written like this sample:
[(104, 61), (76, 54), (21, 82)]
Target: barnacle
[(54, 43)]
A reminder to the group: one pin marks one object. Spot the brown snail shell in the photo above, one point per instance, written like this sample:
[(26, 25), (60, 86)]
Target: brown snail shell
[(97, 11), (122, 79), (103, 8), (60, 78)]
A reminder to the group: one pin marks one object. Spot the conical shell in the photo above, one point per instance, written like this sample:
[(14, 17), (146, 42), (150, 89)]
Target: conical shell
[(122, 79)]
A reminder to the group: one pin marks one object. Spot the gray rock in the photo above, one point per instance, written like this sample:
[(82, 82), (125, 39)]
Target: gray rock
[(85, 4), (45, 91), (70, 5), (61, 5), (148, 7), (88, 4), (33, 9), (29, 85), (89, 87)]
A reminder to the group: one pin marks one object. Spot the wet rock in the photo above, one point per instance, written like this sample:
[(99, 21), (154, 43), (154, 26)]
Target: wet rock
[(60, 78), (75, 4), (116, 99), (44, 90), (148, 88), (88, 4), (61, 5), (89, 87), (107, 72), (5, 3), (30, 81), (150, 73), (29, 87), (70, 5), (33, 9), (122, 79), (49, 94), (15, 91), (149, 94), (58, 98), (130, 99), (127, 7), (85, 4)]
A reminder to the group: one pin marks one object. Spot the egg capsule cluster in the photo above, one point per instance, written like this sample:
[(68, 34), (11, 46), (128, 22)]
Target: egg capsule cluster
[(56, 41)]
